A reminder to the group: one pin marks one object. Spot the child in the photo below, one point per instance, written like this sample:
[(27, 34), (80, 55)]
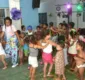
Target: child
[(33, 48), (21, 44), (47, 53), (2, 52), (59, 61), (30, 32), (71, 26), (23, 29), (80, 58), (72, 48)]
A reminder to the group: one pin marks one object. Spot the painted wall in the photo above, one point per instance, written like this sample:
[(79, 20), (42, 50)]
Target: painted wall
[(29, 15), (48, 7), (4, 4)]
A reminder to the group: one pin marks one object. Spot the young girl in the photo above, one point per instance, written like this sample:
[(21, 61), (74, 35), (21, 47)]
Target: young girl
[(59, 61), (21, 44), (10, 33), (2, 52), (33, 48), (47, 53), (72, 48), (30, 32), (80, 58)]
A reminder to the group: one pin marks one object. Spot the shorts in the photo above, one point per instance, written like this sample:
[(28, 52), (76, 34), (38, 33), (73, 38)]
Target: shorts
[(73, 55), (47, 58), (26, 52), (33, 61), (81, 66)]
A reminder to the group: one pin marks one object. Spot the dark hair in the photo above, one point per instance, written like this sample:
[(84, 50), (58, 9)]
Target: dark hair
[(22, 27), (38, 27), (82, 44), (61, 24), (45, 33), (62, 44), (33, 39), (51, 24), (46, 24), (72, 24), (19, 32), (73, 34), (61, 40), (64, 24), (8, 18)]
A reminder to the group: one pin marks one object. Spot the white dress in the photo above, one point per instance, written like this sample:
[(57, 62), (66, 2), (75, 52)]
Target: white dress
[(2, 52), (65, 56)]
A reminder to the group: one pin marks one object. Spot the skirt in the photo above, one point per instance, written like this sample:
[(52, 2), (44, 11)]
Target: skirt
[(2, 52), (47, 58), (33, 61)]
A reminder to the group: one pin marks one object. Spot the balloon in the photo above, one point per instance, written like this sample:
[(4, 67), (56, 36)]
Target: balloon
[(16, 14)]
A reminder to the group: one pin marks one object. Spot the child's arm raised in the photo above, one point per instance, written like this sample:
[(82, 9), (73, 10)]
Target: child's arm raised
[(52, 43), (40, 46), (80, 59)]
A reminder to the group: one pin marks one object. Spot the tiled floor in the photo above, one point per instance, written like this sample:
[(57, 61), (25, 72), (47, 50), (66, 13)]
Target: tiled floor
[(21, 73)]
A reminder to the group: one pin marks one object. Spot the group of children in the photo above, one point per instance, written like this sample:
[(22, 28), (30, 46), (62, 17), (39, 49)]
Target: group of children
[(60, 45)]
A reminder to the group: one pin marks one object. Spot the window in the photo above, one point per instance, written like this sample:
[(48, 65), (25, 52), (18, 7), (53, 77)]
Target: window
[(3, 13)]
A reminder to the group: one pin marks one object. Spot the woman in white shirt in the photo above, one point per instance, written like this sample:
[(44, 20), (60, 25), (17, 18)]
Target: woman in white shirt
[(10, 33)]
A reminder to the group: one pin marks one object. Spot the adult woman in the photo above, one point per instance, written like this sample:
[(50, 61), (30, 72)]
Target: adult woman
[(10, 33)]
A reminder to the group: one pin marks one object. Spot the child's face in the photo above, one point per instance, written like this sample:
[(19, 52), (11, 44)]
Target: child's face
[(24, 29), (8, 23), (38, 29), (44, 26), (48, 36), (30, 30)]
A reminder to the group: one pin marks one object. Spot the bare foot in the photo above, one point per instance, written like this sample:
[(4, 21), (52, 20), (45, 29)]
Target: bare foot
[(50, 75), (57, 79), (4, 67), (71, 69), (32, 78), (64, 78), (44, 78), (20, 64)]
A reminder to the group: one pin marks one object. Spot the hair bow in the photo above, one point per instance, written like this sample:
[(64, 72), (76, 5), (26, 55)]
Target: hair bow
[(82, 38)]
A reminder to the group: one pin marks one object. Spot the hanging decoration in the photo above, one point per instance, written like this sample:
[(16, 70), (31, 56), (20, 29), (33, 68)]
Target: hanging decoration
[(58, 8), (50, 15), (69, 8), (59, 14), (16, 14)]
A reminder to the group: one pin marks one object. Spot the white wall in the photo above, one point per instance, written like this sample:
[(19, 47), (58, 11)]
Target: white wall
[(13, 4), (48, 7), (78, 20)]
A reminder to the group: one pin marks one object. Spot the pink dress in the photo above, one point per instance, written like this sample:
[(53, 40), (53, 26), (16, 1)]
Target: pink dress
[(59, 62), (47, 54)]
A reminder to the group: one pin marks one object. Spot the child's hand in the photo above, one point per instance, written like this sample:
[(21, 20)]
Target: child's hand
[(76, 58), (53, 59)]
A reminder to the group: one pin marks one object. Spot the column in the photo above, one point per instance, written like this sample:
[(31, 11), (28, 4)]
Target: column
[(15, 4)]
